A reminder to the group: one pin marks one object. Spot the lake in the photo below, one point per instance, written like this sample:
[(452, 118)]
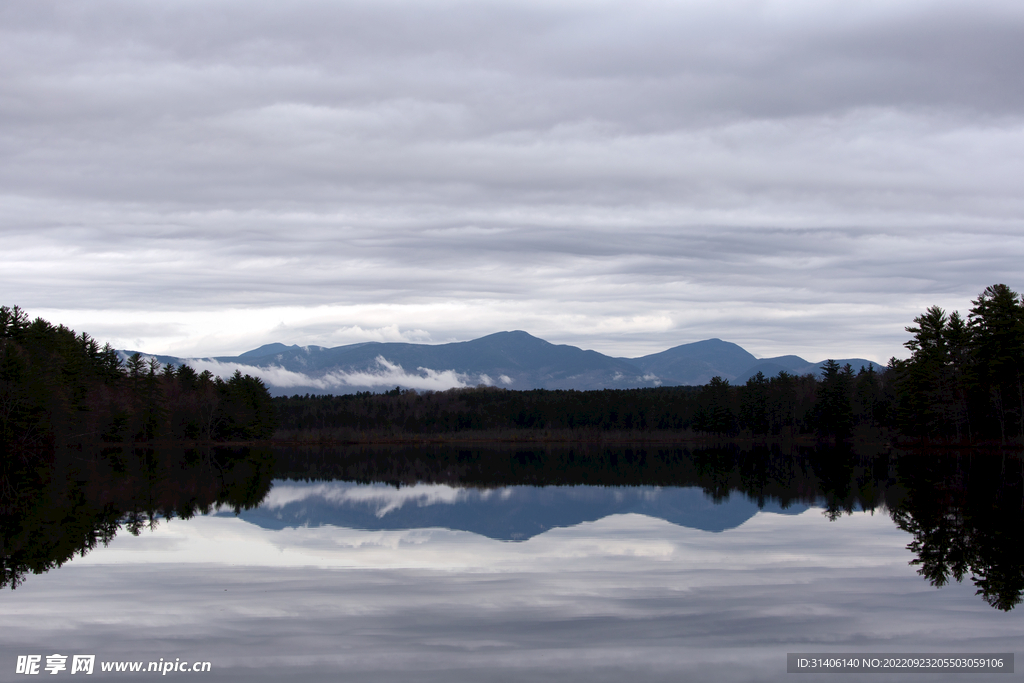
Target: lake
[(509, 563)]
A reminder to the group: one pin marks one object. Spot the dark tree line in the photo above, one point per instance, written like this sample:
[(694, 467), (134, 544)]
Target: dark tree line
[(964, 383), (487, 409), (786, 405), (58, 387), (965, 378), (837, 405)]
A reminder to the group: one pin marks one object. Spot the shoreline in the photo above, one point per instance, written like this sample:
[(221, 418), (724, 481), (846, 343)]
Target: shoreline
[(882, 442)]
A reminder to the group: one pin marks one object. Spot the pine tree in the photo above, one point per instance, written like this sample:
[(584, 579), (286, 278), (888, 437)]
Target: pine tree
[(996, 323)]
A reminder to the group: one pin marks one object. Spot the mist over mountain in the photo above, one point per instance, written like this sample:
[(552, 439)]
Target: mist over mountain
[(514, 360)]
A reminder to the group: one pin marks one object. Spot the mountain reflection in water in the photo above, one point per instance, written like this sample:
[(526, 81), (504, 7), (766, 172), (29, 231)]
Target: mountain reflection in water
[(964, 512), (512, 513)]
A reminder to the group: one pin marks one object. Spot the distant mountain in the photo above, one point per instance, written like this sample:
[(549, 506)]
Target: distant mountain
[(515, 360), (698, 362), (514, 513)]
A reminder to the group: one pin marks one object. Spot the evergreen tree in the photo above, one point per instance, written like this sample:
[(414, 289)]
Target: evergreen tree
[(833, 410), (716, 414), (754, 411), (58, 387), (929, 377), (997, 325)]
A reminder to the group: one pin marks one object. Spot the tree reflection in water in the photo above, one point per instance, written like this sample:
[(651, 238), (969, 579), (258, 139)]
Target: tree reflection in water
[(965, 512), (65, 504)]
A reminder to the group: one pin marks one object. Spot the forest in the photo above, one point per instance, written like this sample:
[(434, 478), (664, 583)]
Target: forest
[(962, 384), (59, 388)]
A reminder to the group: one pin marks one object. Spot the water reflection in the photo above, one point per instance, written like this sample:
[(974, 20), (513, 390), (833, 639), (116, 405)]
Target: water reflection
[(54, 508), (510, 513), (966, 516), (964, 513)]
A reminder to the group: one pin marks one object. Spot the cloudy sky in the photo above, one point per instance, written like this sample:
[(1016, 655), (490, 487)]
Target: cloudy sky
[(794, 176)]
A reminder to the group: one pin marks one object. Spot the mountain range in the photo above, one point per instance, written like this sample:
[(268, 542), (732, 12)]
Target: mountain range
[(515, 360), (514, 513)]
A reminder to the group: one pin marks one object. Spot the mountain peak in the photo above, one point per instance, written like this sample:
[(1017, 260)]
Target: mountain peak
[(516, 337), (698, 361), (267, 350), (517, 334)]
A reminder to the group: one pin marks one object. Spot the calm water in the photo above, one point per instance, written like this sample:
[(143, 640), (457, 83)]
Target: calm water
[(510, 565)]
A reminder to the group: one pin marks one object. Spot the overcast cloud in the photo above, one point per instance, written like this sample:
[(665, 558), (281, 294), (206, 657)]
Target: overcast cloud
[(199, 178)]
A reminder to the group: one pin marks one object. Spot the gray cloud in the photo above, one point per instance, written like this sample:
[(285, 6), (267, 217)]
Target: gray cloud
[(796, 177)]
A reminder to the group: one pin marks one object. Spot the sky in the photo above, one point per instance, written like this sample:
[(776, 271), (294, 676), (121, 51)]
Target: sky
[(200, 178)]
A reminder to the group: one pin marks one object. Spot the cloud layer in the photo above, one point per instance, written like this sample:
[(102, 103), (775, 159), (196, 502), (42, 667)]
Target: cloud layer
[(387, 375), (797, 177)]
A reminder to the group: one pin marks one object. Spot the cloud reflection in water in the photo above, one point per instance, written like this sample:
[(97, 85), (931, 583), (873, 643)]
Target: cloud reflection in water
[(627, 596), (385, 499)]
